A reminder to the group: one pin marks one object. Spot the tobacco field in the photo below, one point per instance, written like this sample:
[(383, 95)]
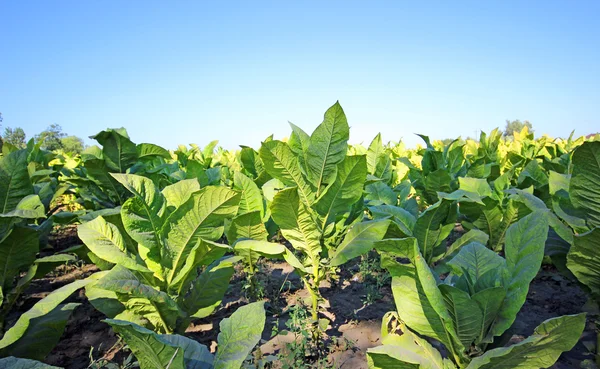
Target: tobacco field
[(304, 252)]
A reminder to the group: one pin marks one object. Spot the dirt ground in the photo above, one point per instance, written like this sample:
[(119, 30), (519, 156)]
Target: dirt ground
[(352, 321)]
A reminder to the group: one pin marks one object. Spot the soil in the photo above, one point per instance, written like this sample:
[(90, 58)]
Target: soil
[(354, 326)]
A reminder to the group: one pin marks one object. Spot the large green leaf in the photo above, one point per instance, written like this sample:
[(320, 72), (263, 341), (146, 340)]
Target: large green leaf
[(339, 197), (411, 296), (489, 301), (117, 149), (41, 308), (203, 254), (359, 240), (141, 299), (476, 260), (195, 355), (238, 335), (405, 349), (247, 225), (584, 260), (405, 220), (585, 181), (296, 223), (148, 150), (208, 289), (178, 193), (12, 362), (327, 147), (282, 163), (202, 216), (42, 335), (431, 228), (466, 316), (524, 251), (540, 350), (30, 207), (17, 253), (14, 180), (142, 216), (251, 199), (106, 242), (150, 350)]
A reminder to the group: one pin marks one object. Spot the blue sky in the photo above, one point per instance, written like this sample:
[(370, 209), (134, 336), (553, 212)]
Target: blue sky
[(183, 72)]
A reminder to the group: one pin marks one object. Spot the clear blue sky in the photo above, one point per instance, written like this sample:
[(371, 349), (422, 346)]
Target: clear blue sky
[(180, 72)]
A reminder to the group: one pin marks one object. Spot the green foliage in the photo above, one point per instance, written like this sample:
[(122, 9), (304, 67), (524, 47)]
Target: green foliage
[(15, 137), (163, 239), (477, 301), (237, 337)]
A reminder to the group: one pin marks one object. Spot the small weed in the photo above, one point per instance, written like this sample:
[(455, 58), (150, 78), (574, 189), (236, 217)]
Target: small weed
[(373, 277)]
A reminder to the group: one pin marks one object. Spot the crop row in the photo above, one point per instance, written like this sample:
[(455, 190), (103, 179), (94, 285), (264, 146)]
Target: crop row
[(167, 229)]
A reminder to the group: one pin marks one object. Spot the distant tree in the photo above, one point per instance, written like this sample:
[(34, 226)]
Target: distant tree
[(51, 137), (15, 137), (516, 126), (72, 144)]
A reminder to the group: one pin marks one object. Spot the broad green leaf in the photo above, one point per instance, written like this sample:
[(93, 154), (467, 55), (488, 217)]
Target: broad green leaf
[(585, 181), (375, 151), (17, 253), (584, 260), (474, 235), (489, 302), (203, 254), (202, 216), (142, 299), (251, 199), (524, 251), (327, 147), (298, 142), (142, 216), (14, 180), (281, 163), (41, 308), (195, 355), (117, 149), (208, 290), (30, 207), (540, 350), (238, 335), (359, 240), (148, 150), (178, 193), (105, 241), (42, 334), (296, 224), (431, 228), (466, 316), (248, 225), (404, 349), (339, 197), (414, 305), (476, 260), (12, 362), (379, 193), (476, 185), (405, 220), (150, 350)]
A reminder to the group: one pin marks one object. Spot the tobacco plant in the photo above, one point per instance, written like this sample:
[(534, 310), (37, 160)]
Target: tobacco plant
[(166, 237), (318, 206), (475, 303), (238, 336)]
